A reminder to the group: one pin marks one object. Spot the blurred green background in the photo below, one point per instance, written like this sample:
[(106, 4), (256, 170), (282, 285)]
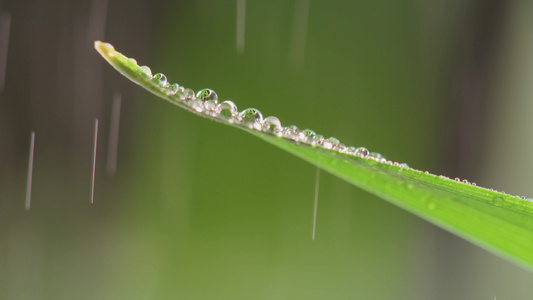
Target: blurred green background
[(198, 210)]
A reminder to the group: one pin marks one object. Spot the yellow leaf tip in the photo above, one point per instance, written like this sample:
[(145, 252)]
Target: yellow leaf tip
[(105, 49)]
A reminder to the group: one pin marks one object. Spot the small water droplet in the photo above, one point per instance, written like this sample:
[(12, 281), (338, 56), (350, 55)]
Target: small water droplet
[(108, 46), (228, 109), (252, 118), (133, 60), (457, 179), (331, 142), (498, 200), (340, 147), (427, 172), (351, 150), (188, 94), (309, 134), (173, 89), (375, 156), (361, 151), (271, 124), (318, 139), (146, 72), (291, 132)]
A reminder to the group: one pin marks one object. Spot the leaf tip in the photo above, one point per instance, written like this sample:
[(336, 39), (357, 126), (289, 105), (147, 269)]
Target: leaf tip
[(105, 49)]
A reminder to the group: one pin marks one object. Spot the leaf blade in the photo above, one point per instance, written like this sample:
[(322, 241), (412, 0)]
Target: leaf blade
[(498, 222)]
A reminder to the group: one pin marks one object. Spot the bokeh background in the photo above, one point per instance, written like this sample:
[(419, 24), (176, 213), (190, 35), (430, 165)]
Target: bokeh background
[(198, 210)]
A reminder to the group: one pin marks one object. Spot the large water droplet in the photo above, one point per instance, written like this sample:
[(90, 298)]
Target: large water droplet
[(251, 118), (146, 72), (228, 109), (271, 124), (160, 79), (206, 94)]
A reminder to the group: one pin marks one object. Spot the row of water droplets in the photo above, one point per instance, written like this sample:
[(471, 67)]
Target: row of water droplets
[(206, 102)]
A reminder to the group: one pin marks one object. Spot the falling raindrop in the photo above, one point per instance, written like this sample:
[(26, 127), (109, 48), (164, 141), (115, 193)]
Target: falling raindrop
[(315, 207), (95, 146), (30, 172)]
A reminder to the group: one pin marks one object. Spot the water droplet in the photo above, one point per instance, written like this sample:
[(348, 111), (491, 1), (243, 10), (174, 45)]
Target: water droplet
[(160, 79), (174, 88), (361, 151), (330, 143), (252, 118), (309, 134), (228, 109), (375, 156), (146, 72), (351, 150), (188, 94), (108, 46), (207, 94), (498, 200), (340, 147), (318, 139), (210, 105), (291, 132), (133, 60), (271, 124)]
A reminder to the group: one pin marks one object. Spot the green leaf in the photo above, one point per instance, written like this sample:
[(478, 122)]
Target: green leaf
[(493, 220)]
